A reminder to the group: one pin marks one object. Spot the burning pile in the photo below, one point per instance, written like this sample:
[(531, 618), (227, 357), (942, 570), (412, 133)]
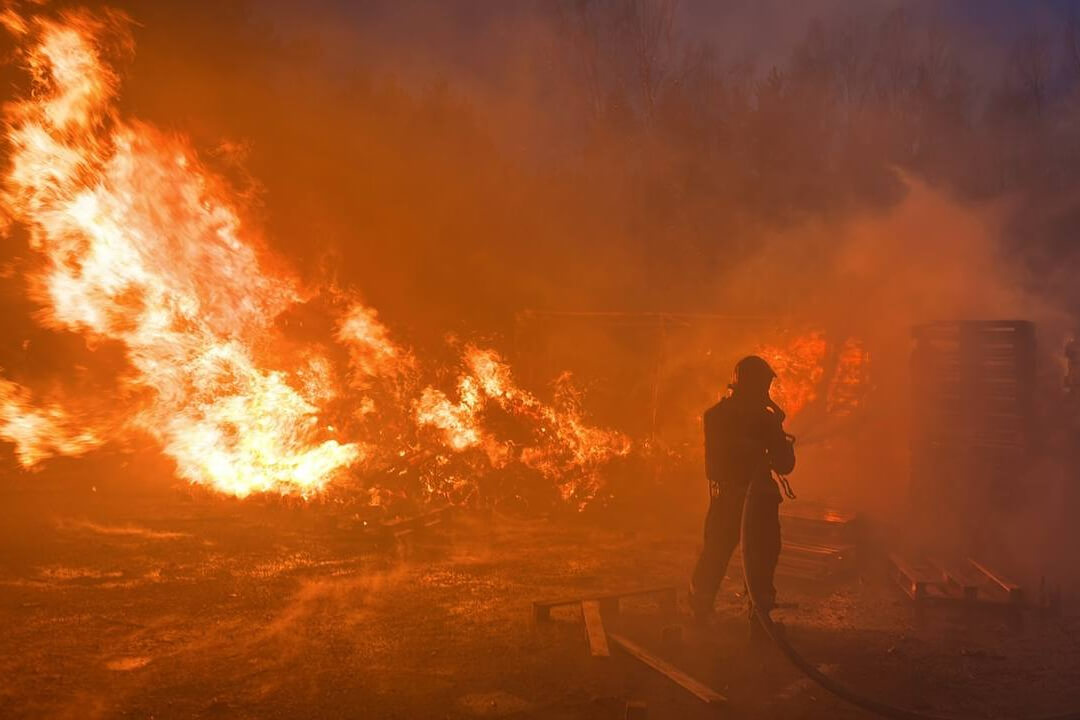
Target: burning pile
[(140, 245), (556, 442), (137, 245), (135, 242), (811, 370), (799, 368)]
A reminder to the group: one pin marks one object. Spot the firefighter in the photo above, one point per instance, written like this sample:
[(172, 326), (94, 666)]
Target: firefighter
[(745, 443)]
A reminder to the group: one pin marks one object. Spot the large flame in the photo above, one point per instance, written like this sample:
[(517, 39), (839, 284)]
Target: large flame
[(142, 245)]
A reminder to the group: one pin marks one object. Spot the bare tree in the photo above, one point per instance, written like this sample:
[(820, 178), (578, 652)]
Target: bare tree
[(582, 22), (891, 65), (1031, 65), (623, 47), (1072, 42), (651, 30)]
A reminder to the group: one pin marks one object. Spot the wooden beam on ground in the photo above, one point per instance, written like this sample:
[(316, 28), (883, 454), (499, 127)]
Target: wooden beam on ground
[(700, 690), (907, 578), (959, 578), (1011, 589), (594, 628), (416, 522)]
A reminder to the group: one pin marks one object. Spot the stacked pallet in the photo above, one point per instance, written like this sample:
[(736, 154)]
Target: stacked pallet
[(818, 543), (973, 387)]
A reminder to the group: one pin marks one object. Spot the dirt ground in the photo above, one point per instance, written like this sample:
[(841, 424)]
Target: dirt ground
[(164, 607)]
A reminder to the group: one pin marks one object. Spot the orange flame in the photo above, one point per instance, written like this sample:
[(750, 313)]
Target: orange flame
[(142, 245), (801, 374), (560, 446), (849, 383), (39, 432), (798, 368), (138, 243), (372, 353)]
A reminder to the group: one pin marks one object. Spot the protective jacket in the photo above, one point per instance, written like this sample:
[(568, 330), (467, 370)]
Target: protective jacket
[(744, 441)]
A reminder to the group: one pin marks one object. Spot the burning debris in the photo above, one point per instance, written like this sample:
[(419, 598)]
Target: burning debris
[(39, 431), (810, 368), (799, 370), (556, 443), (137, 242)]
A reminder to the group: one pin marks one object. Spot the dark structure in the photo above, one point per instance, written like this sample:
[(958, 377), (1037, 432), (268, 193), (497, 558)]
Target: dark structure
[(972, 427)]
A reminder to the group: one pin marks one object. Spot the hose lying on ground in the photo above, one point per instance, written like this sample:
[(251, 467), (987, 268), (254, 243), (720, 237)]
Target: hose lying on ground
[(844, 692)]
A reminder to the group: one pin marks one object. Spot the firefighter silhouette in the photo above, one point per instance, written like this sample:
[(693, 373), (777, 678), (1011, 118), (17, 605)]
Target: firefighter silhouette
[(745, 443)]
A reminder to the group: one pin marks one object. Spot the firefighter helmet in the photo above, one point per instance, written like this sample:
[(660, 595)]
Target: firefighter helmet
[(753, 370)]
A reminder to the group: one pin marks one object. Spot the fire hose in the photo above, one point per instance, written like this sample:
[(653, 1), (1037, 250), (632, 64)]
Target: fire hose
[(851, 695)]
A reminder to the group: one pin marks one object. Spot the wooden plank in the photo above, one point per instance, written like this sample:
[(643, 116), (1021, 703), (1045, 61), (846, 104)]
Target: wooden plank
[(912, 582), (816, 513), (829, 552), (1011, 589), (803, 567), (824, 567), (414, 522), (594, 629), (958, 578), (699, 689)]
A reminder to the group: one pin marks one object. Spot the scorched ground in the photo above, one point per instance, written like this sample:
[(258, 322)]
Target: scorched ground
[(168, 606)]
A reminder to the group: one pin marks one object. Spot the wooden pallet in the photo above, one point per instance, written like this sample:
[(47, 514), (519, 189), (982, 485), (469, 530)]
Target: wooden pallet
[(951, 582), (916, 578), (811, 561), (1011, 590), (809, 524)]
